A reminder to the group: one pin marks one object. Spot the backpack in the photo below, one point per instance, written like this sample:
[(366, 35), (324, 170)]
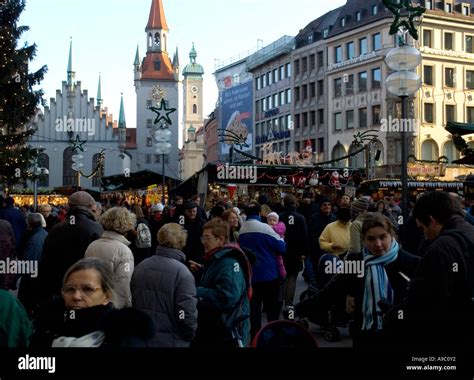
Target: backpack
[(143, 239)]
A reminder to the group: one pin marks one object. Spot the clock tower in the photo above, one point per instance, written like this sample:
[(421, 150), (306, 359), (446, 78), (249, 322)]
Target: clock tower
[(193, 149), (156, 78)]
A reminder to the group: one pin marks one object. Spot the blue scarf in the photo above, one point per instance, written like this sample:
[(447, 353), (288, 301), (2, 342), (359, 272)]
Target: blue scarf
[(377, 285)]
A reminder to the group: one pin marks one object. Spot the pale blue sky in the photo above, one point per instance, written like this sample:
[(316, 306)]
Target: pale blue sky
[(105, 35)]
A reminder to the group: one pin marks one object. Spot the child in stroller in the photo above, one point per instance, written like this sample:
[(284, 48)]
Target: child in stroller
[(325, 303)]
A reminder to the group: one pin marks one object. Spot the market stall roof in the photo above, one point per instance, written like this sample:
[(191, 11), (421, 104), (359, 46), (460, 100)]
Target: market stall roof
[(136, 180), (459, 128), (395, 183)]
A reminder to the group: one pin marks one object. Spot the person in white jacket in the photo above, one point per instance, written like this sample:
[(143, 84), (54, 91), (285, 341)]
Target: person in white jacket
[(112, 247)]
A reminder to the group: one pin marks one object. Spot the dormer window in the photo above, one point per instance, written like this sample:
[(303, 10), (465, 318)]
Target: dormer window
[(429, 4), (358, 16), (326, 33), (343, 22), (374, 10), (448, 7), (157, 64), (466, 11)]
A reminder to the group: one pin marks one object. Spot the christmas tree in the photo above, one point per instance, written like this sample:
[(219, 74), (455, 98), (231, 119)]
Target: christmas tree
[(18, 100)]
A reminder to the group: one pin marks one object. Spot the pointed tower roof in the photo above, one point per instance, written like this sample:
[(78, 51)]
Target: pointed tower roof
[(157, 19), (176, 58), (137, 58), (121, 122), (99, 93), (193, 68), (70, 73)]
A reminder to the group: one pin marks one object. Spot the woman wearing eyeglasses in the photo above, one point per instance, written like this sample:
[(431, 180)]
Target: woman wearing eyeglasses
[(223, 292), (90, 319)]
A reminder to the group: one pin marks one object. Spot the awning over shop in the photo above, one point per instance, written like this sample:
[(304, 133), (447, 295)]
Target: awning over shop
[(459, 128), (136, 180), (374, 185)]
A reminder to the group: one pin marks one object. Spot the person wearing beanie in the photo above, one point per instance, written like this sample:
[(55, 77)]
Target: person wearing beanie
[(359, 209), (280, 229)]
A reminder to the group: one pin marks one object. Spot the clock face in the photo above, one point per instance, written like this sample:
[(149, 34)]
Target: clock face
[(194, 89)]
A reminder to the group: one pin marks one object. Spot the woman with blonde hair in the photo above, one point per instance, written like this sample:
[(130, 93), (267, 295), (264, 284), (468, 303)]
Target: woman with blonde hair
[(164, 288), (113, 248)]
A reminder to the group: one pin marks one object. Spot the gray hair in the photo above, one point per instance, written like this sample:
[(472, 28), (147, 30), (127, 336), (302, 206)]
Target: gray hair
[(35, 219)]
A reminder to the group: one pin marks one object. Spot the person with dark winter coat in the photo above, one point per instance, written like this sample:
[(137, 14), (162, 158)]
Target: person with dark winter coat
[(86, 316), (296, 239), (16, 219), (32, 248), (223, 291), (7, 251), (439, 307), (193, 249), (164, 288), (67, 243)]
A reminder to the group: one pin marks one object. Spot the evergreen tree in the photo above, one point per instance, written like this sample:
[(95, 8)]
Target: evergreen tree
[(18, 100)]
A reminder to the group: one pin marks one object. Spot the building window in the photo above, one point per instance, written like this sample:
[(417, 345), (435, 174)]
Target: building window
[(320, 118), (69, 175), (470, 79), (312, 90), (338, 54), (149, 141), (288, 96), (312, 61), (269, 78), (376, 78), (43, 162), (363, 117), (264, 81), (296, 65), (275, 100), (374, 10), (468, 40), (275, 75), (320, 88), (304, 119), (350, 50), (350, 84), (358, 16), (428, 113), (337, 87), (376, 115), (363, 46), (449, 77), (337, 152), (450, 113), (429, 4), (304, 63), (288, 70), (312, 116), (363, 81), (149, 123), (342, 22), (157, 64), (448, 41), (257, 83), (282, 97), (450, 151), (282, 72), (195, 108), (429, 150), (350, 119), (427, 38), (448, 7), (465, 10), (376, 41), (100, 170), (320, 59), (338, 121), (428, 75), (148, 158), (148, 103), (321, 145), (470, 114)]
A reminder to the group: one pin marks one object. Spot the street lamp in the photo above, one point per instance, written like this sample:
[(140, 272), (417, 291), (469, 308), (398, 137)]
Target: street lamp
[(403, 83), (77, 166), (162, 146), (37, 172)]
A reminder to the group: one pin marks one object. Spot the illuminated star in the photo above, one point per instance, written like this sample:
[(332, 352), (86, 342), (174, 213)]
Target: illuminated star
[(162, 109), (77, 144), (400, 21)]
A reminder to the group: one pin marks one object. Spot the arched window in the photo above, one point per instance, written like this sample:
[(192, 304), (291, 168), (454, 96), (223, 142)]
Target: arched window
[(100, 171), (450, 151), (339, 151), (43, 162), (357, 161), (164, 43), (157, 40), (150, 40), (195, 108), (69, 175), (429, 150)]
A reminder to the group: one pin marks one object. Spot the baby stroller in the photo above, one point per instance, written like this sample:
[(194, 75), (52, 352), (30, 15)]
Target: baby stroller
[(324, 303)]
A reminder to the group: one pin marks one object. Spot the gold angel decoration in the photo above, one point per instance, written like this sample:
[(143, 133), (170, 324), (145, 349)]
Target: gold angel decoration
[(158, 93)]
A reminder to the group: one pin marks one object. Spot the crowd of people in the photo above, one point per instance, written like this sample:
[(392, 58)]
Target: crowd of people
[(183, 276)]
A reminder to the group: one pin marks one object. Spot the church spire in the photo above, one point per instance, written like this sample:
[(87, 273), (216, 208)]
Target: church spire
[(99, 94), (157, 19), (70, 73), (137, 58), (121, 123)]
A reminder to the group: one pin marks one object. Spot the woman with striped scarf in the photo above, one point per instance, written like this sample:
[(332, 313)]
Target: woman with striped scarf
[(387, 270)]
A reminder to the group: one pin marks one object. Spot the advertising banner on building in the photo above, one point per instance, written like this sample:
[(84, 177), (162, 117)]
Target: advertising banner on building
[(237, 115)]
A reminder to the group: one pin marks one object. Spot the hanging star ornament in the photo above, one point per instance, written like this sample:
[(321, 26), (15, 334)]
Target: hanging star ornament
[(77, 144), (162, 113), (405, 21)]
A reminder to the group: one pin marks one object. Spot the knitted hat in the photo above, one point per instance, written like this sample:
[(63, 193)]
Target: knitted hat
[(325, 200), (360, 205), (273, 214)]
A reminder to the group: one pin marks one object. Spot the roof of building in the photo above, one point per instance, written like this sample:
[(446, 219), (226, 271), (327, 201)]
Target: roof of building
[(150, 70), (156, 19)]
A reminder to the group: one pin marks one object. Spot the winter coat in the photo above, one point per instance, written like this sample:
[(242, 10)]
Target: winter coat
[(194, 249), (16, 219), (296, 239), (223, 295), (7, 250), (260, 238), (113, 249), (65, 244), (164, 288), (15, 326)]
